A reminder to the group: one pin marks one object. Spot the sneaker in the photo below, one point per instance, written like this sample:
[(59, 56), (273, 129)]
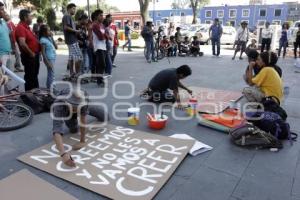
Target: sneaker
[(129, 49), (232, 58), (148, 61), (218, 56), (17, 69), (154, 60), (107, 76), (115, 66), (241, 58)]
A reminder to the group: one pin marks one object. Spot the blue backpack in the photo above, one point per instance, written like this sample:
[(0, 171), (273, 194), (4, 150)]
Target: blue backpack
[(273, 123)]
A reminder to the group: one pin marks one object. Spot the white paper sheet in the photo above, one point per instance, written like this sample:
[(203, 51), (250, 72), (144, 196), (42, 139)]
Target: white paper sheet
[(198, 147)]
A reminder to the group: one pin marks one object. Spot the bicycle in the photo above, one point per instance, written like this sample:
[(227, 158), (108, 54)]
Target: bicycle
[(13, 113)]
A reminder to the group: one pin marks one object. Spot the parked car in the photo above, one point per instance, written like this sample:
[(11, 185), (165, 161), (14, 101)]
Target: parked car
[(203, 34), (228, 36), (192, 30)]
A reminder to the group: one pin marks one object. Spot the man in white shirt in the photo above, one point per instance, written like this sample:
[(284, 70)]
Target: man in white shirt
[(266, 35), (99, 43), (241, 39)]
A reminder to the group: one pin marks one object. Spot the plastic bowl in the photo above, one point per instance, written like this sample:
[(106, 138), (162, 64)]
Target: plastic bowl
[(158, 124)]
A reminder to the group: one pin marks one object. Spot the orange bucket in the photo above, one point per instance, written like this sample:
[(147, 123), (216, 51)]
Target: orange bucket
[(122, 37), (156, 122)]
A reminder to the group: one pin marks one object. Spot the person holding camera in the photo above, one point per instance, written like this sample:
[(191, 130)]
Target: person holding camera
[(148, 33)]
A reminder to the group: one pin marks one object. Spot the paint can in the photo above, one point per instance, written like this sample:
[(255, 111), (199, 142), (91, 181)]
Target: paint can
[(133, 116)]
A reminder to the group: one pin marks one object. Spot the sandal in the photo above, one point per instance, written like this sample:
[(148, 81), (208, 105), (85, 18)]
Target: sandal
[(70, 162)]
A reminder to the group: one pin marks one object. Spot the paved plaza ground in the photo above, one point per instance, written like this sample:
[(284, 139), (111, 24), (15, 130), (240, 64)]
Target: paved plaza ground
[(226, 172)]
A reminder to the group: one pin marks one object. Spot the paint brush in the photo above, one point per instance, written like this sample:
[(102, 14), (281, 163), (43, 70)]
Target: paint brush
[(150, 117)]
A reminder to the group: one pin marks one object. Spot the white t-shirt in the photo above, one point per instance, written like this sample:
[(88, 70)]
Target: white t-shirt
[(266, 33), (99, 44), (242, 34)]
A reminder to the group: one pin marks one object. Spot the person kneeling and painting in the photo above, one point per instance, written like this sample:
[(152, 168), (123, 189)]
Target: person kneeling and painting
[(165, 80), (69, 108), (267, 82)]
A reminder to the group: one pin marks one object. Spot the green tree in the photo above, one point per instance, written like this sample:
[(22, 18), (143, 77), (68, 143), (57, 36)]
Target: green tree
[(79, 13), (196, 5), (105, 7), (51, 18), (180, 4)]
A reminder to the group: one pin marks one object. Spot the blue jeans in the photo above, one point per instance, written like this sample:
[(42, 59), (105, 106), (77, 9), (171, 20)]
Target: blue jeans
[(85, 62), (128, 42), (91, 58), (50, 74), (108, 63), (150, 50), (214, 42), (282, 44)]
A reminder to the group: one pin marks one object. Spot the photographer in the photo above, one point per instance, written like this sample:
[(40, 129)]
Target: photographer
[(147, 33)]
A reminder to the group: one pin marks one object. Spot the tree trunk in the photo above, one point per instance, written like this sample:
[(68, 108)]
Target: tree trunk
[(194, 16), (144, 4), (194, 5)]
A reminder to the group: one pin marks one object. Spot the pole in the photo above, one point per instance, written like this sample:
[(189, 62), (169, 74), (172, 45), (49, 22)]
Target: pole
[(153, 14), (97, 4), (88, 8)]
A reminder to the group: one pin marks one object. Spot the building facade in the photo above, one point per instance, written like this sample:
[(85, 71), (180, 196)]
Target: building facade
[(253, 14), (229, 15)]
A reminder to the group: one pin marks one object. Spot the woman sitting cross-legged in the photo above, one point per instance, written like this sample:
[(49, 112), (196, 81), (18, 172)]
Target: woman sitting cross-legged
[(267, 83)]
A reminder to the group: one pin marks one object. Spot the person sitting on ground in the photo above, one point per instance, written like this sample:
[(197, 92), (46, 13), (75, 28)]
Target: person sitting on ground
[(195, 46), (165, 80), (267, 83), (164, 44), (251, 46), (65, 111), (172, 51), (185, 45), (252, 57)]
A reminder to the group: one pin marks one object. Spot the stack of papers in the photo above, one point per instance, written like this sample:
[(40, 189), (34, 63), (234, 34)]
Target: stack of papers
[(198, 147)]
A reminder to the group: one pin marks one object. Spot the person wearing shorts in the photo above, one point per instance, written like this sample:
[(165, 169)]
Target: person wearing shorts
[(241, 40), (68, 108), (70, 33)]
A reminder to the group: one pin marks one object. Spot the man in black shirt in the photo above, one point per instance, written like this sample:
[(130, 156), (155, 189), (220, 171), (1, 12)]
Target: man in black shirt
[(297, 42), (165, 80)]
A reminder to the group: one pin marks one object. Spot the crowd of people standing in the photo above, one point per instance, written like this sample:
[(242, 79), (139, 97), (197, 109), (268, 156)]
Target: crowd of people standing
[(92, 45)]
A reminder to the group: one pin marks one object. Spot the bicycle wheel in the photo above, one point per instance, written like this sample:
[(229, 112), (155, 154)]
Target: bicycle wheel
[(160, 54), (14, 116)]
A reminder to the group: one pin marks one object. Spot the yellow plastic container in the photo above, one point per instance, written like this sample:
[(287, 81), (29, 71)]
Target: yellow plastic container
[(133, 116)]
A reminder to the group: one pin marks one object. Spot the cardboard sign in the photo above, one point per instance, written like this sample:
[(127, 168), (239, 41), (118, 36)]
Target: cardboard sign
[(117, 162), (25, 185), (210, 100)]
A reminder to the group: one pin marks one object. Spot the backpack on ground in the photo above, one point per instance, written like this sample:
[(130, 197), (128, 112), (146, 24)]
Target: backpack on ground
[(272, 122), (40, 100), (272, 104), (248, 135)]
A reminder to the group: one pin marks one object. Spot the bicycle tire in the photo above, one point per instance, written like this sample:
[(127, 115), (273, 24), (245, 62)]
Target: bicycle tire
[(15, 116)]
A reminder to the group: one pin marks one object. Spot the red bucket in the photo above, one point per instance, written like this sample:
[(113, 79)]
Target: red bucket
[(157, 122)]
